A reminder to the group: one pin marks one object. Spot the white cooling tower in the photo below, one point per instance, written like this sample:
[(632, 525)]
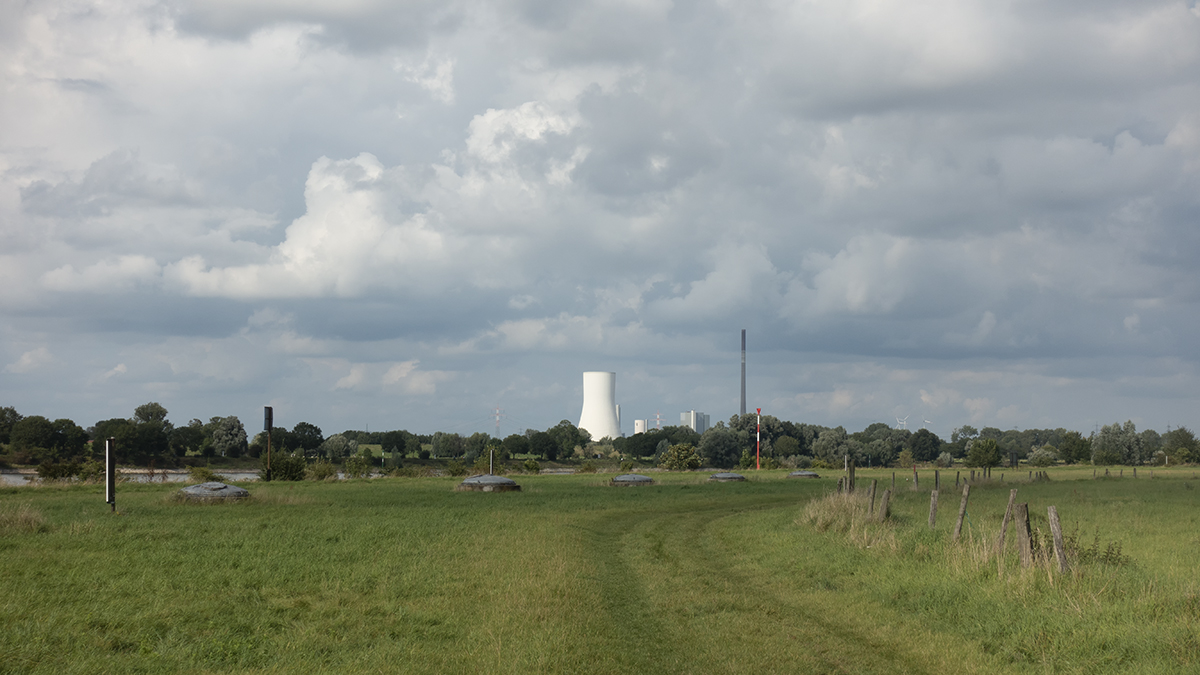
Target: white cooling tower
[(599, 414)]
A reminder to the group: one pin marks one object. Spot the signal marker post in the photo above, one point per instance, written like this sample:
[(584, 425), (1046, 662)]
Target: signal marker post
[(758, 441), (268, 422), (110, 473)]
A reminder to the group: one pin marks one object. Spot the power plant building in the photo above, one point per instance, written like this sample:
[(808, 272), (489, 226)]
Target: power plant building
[(601, 416), (696, 421), (639, 426)]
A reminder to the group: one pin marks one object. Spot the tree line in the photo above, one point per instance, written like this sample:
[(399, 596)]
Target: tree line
[(149, 437)]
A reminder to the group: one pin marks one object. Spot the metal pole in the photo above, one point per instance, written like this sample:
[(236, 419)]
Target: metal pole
[(110, 473), (758, 441), (491, 461)]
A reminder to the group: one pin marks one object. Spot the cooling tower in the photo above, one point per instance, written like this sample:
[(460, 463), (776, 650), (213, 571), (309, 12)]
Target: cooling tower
[(599, 414)]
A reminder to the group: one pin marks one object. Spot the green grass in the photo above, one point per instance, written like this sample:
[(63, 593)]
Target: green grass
[(569, 575)]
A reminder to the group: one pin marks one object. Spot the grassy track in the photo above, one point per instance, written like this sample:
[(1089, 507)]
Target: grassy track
[(569, 575)]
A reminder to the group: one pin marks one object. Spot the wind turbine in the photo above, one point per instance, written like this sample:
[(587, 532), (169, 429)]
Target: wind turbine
[(926, 425), (902, 423)]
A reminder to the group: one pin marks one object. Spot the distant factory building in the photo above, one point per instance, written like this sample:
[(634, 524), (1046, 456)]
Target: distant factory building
[(639, 426), (696, 421)]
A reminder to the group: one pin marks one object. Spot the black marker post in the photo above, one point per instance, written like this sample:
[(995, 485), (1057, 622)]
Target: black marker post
[(110, 473), (268, 422)]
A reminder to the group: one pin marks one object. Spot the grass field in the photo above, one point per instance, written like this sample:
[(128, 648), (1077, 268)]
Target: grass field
[(569, 575)]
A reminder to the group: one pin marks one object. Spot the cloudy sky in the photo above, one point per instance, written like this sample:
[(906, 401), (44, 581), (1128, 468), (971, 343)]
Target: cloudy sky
[(406, 215)]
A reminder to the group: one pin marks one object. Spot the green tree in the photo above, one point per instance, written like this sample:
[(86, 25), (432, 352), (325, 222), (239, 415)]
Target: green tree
[(515, 444), (1180, 445), (1117, 444), (680, 458), (8, 417), (307, 437), (721, 447), (1074, 448), (925, 445), (229, 438), (542, 444), (149, 412), (983, 452), (32, 433), (187, 438)]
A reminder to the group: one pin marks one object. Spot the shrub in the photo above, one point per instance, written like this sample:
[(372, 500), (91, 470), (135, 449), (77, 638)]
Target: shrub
[(456, 468), (819, 463), (1043, 456), (682, 457), (202, 474), (358, 467), (322, 469), (481, 464), (284, 467), (627, 465), (423, 454), (945, 460), (905, 459), (531, 465), (91, 471), (588, 467), (58, 471)]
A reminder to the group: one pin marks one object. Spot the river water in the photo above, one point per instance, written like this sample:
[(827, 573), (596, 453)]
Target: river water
[(8, 479)]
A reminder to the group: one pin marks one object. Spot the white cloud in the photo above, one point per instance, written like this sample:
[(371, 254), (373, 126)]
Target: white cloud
[(31, 361)]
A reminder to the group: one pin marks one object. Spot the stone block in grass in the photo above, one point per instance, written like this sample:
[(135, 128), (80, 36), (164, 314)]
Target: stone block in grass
[(632, 479), (212, 491), (726, 477), (488, 483)]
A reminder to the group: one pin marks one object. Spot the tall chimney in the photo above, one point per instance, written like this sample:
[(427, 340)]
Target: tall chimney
[(743, 411)]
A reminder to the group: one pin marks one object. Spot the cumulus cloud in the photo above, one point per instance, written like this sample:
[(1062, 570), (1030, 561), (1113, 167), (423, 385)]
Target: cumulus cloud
[(950, 206)]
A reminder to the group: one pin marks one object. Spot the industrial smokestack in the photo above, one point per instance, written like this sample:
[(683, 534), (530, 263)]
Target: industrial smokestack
[(600, 411), (743, 411)]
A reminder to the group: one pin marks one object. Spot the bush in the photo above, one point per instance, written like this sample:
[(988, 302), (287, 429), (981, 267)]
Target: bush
[(202, 474), (456, 468), (531, 465), (905, 459), (358, 467), (91, 471), (481, 464), (322, 469), (588, 467), (682, 457), (57, 471), (284, 467), (423, 454), (819, 463), (1043, 456), (945, 460), (626, 466)]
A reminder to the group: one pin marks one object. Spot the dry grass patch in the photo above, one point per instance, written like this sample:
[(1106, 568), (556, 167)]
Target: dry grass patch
[(22, 519)]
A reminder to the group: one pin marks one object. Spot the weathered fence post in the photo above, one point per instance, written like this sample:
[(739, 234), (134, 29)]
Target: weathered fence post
[(932, 508), (1012, 497), (962, 512), (916, 479), (873, 483), (972, 475), (937, 480), (883, 505), (841, 485), (1135, 472), (893, 480), (1024, 536), (1056, 530), (956, 479), (851, 483)]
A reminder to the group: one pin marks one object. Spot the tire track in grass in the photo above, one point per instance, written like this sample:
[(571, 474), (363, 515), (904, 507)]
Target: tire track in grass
[(678, 602)]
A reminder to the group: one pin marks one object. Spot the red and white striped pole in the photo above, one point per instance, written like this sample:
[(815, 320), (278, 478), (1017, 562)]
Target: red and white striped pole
[(758, 441)]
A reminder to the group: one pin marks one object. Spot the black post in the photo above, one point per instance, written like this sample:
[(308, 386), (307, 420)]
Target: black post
[(268, 422), (110, 473)]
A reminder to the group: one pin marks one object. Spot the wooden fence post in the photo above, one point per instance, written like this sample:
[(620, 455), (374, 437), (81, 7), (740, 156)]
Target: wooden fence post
[(851, 483), (937, 480), (883, 505), (956, 479), (932, 508), (916, 479), (962, 512), (1056, 530), (1012, 497), (1024, 536), (893, 480), (873, 483)]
